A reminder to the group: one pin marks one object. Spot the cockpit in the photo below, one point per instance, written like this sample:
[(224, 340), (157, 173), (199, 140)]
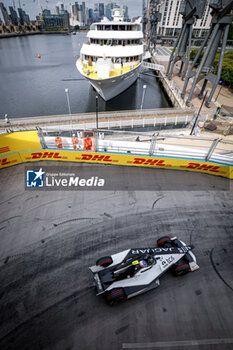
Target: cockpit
[(133, 267)]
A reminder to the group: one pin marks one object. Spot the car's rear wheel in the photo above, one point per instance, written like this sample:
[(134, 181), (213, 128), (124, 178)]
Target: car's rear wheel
[(163, 240), (181, 270), (115, 296), (104, 262)]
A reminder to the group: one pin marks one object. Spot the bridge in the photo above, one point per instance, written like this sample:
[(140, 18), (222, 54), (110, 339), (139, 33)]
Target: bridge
[(153, 66)]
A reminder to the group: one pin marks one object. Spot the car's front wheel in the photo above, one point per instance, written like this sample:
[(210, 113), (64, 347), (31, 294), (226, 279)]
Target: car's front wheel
[(115, 296), (163, 240), (104, 262), (181, 270)]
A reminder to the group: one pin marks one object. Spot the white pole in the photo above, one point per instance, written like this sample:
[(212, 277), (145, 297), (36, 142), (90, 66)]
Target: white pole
[(68, 101), (143, 95)]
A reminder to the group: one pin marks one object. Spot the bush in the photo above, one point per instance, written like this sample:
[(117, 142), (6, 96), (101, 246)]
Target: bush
[(56, 29), (230, 34), (227, 67)]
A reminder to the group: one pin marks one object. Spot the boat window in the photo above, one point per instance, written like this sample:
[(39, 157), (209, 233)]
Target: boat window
[(114, 42), (107, 27)]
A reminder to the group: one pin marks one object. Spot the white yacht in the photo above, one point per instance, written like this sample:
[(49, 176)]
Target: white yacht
[(112, 57)]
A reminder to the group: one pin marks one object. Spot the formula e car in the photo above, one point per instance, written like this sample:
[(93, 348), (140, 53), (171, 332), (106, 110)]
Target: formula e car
[(136, 271)]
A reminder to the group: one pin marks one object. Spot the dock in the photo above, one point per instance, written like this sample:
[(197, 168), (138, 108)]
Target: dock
[(110, 119)]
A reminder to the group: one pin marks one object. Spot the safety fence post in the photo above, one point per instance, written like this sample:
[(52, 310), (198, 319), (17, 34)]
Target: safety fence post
[(212, 148), (41, 137), (152, 144), (96, 141)]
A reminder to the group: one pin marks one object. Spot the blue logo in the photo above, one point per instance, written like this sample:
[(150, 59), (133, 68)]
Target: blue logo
[(35, 178)]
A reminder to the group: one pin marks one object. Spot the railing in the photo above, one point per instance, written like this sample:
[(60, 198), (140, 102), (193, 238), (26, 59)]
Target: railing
[(157, 67), (171, 86), (158, 144)]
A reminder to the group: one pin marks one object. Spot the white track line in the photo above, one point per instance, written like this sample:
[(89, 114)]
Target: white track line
[(168, 344)]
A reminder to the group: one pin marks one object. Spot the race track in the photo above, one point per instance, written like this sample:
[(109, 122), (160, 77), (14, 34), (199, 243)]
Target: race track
[(49, 238)]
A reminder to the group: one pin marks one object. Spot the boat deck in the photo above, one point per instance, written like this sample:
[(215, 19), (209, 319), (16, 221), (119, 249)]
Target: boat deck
[(91, 72)]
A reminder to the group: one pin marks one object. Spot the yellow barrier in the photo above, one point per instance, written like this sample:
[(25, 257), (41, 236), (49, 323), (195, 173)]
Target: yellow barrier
[(10, 159), (19, 141), (121, 159), (14, 149)]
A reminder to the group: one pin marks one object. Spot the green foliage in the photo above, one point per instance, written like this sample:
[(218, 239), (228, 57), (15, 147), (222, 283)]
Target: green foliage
[(56, 29), (76, 27), (193, 55), (230, 34), (227, 67)]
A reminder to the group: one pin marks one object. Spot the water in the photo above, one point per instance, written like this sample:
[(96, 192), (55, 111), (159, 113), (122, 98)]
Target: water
[(34, 87)]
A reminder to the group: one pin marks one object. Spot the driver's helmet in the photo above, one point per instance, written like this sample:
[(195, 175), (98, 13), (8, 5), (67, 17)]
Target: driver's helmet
[(148, 259), (143, 263)]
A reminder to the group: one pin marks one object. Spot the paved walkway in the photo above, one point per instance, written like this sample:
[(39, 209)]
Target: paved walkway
[(225, 97)]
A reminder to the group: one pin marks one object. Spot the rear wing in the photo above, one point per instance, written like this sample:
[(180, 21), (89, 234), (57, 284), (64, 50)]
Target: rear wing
[(98, 284)]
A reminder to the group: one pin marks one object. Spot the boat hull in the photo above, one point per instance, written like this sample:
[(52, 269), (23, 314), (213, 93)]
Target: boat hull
[(112, 87)]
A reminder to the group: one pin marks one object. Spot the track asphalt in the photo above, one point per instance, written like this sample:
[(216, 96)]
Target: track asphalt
[(49, 238)]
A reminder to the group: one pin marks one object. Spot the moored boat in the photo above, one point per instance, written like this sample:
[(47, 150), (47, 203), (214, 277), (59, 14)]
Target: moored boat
[(111, 59)]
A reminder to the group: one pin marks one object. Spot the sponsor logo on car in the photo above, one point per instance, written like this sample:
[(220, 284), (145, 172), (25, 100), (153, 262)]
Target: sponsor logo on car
[(174, 250)]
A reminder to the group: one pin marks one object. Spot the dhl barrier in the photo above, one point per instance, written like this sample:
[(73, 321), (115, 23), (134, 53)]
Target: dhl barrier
[(19, 141), (24, 141)]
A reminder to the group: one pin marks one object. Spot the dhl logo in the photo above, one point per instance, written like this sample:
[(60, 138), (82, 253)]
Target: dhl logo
[(97, 158), (204, 167), (6, 161), (45, 155), (4, 149), (144, 161)]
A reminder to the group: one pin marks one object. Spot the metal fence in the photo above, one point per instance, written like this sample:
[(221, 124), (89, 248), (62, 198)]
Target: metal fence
[(157, 144)]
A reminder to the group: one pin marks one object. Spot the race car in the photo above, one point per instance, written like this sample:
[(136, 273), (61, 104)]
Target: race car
[(135, 271)]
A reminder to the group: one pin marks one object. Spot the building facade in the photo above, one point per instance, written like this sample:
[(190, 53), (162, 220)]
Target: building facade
[(23, 17), (126, 13), (6, 17), (82, 16), (108, 10), (171, 20), (101, 10), (55, 21), (13, 16)]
